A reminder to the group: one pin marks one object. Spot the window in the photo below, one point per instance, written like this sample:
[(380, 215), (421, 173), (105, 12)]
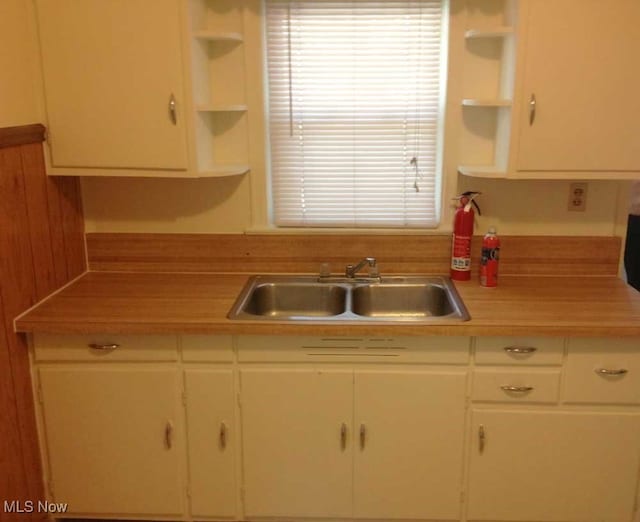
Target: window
[(355, 112)]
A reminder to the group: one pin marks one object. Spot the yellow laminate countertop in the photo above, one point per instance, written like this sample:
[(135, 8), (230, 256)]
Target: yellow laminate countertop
[(147, 303)]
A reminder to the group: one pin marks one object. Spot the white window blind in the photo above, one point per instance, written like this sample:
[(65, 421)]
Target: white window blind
[(355, 112)]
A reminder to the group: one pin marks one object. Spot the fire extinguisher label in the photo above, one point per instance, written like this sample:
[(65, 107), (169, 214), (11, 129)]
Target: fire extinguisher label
[(461, 253), (460, 263)]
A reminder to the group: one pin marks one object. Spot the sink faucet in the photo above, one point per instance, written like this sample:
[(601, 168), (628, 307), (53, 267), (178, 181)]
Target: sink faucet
[(351, 270)]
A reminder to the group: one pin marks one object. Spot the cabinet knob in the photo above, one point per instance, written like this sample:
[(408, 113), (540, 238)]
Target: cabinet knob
[(481, 439)]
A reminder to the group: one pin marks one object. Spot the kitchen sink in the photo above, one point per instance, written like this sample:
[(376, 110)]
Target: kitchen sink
[(402, 300), (286, 299), (309, 298)]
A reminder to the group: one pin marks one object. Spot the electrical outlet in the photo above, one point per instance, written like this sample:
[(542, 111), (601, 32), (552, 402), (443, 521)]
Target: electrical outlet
[(577, 197)]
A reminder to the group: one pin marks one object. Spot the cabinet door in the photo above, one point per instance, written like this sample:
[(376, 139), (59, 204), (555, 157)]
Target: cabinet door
[(110, 69), (577, 64), (212, 443), (296, 442), (113, 439), (553, 466), (408, 457)]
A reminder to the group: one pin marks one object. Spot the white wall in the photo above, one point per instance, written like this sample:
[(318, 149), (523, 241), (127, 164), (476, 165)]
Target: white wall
[(19, 102), (204, 206), (541, 207)]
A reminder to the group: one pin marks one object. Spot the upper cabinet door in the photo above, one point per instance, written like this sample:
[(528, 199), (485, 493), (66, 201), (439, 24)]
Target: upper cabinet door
[(111, 72), (578, 64)]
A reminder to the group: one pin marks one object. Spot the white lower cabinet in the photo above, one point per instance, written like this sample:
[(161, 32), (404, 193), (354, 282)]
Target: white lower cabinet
[(603, 371), (114, 439), (220, 428), (409, 427), (211, 441), (564, 466), (297, 442), (343, 443)]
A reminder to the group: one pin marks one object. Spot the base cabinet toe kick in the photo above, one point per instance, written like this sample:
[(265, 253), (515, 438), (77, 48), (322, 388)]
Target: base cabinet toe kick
[(219, 427)]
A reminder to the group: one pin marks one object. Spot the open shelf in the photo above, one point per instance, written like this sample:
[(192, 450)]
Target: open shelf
[(487, 87), (486, 102), (221, 171), (221, 108), (490, 32), (482, 171), (218, 36)]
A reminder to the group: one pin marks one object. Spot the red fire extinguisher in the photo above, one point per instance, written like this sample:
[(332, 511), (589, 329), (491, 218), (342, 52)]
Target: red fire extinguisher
[(489, 259), (462, 232)]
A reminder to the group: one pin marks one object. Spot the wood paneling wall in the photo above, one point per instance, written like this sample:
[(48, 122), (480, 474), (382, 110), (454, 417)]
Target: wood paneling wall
[(41, 249), (520, 255)]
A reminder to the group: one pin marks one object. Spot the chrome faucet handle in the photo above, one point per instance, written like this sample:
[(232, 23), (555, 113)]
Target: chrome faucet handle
[(325, 271), (351, 270)]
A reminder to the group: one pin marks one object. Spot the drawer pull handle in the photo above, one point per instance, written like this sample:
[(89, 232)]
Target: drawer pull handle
[(517, 389), (223, 435), (343, 436), (607, 371), (481, 438), (520, 349), (104, 347), (168, 435), (363, 436)]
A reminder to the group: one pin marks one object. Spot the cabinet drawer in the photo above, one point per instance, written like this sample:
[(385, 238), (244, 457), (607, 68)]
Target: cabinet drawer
[(106, 347), (516, 385), (519, 350), (442, 350), (207, 348), (602, 370)]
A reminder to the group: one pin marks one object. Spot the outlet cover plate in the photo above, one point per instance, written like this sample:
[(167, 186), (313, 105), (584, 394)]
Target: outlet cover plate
[(577, 197)]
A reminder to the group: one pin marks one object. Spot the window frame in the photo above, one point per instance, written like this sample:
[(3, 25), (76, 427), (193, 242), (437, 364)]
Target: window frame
[(443, 175)]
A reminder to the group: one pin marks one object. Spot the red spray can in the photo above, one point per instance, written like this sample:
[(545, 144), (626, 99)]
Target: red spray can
[(462, 232), (489, 259)]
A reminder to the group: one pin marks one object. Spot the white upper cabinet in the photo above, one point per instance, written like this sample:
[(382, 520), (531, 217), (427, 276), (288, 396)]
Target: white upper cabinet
[(565, 68), (114, 86), (578, 103)]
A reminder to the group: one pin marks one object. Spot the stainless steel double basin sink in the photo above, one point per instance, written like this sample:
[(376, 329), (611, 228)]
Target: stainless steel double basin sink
[(307, 298)]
